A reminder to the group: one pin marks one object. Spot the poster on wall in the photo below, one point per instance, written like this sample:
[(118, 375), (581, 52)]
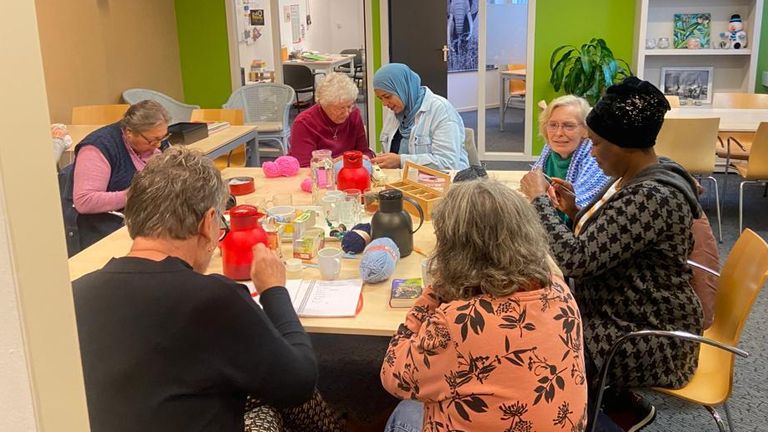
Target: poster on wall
[(462, 35), (257, 17), (295, 24), (287, 13)]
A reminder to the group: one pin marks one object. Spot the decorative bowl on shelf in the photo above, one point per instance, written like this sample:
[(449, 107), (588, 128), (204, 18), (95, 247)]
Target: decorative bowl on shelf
[(663, 43)]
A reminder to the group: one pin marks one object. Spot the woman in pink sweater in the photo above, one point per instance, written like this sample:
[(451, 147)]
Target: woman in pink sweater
[(105, 163), (333, 123), (495, 342)]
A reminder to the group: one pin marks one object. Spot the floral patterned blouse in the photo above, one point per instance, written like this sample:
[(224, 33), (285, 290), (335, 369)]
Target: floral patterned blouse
[(512, 363)]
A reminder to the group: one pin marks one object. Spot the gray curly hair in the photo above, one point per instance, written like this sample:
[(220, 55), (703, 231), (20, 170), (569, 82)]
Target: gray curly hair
[(489, 241), (336, 88), (144, 115), (169, 197)]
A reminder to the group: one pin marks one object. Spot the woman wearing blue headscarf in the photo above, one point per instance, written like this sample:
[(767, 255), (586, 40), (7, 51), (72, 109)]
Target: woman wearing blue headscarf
[(419, 126)]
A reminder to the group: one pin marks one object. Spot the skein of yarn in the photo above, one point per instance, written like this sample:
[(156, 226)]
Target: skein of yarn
[(354, 241), (379, 260), (285, 166)]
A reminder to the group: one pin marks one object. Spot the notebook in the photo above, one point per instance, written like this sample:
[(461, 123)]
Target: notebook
[(320, 298)]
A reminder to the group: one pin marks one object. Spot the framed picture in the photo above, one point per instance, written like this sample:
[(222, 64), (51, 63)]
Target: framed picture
[(692, 31), (689, 83), (257, 17)]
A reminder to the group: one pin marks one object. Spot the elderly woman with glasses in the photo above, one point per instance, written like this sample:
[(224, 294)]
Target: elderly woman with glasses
[(566, 154), (167, 347), (105, 162), (334, 123)]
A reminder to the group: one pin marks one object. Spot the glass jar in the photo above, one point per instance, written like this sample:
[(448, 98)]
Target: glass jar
[(323, 175)]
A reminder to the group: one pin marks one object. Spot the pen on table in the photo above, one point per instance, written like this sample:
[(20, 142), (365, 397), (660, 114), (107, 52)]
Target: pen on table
[(559, 188)]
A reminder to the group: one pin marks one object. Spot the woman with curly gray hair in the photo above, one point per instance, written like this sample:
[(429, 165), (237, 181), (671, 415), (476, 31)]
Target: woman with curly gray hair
[(495, 342), (165, 346), (334, 123)]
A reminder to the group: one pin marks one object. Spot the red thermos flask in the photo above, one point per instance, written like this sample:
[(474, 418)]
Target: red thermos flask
[(353, 174), (237, 247)]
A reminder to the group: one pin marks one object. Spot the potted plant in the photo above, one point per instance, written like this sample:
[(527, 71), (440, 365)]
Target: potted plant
[(586, 71)]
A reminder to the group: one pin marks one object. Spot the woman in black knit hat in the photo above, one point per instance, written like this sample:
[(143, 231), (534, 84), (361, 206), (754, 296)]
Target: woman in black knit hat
[(627, 249)]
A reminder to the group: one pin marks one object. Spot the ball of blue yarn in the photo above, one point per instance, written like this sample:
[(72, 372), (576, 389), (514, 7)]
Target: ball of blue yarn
[(355, 240), (379, 260)]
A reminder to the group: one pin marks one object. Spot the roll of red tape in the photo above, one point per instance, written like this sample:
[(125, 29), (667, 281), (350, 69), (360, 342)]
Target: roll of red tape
[(241, 185)]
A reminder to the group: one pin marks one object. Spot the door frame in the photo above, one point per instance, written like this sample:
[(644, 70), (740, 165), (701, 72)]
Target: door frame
[(526, 155)]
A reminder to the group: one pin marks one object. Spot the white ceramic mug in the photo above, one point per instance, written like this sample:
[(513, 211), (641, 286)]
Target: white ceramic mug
[(329, 262)]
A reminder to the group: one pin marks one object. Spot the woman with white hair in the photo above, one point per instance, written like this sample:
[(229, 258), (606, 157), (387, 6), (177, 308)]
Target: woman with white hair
[(334, 123)]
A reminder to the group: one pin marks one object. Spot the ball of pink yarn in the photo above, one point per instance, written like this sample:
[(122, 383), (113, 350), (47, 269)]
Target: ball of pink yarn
[(270, 169), (306, 185), (289, 165)]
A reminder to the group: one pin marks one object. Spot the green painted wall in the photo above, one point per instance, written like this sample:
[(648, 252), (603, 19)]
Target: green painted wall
[(376, 24), (762, 58), (560, 22), (204, 51)]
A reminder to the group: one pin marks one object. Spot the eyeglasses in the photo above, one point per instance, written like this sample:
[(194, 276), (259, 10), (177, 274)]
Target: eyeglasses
[(223, 227), (343, 108), (567, 127), (155, 140)]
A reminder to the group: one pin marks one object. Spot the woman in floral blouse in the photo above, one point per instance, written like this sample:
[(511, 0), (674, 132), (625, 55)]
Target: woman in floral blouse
[(495, 343)]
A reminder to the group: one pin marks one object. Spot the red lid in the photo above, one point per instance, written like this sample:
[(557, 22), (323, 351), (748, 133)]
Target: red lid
[(244, 216), (353, 159)]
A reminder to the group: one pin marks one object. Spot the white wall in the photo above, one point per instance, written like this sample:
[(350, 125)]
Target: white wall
[(261, 48), (507, 36), (336, 25)]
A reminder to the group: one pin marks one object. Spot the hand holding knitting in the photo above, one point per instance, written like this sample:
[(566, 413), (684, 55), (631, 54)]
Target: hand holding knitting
[(561, 198), (534, 184), (267, 270), (387, 160)]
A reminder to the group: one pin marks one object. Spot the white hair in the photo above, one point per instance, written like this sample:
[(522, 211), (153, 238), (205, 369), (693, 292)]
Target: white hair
[(581, 105), (336, 88)]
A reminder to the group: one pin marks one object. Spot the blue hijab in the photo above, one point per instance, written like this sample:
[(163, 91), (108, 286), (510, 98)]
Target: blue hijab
[(399, 79)]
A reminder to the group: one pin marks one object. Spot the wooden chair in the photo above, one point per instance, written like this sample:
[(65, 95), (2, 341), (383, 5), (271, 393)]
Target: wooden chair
[(516, 92), (740, 100), (235, 118), (755, 168), (98, 114), (691, 143), (743, 276), (674, 101)]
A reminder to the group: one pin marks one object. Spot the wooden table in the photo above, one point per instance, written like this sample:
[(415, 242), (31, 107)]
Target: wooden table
[(731, 119), (217, 144), (334, 60), (376, 317), (504, 76)]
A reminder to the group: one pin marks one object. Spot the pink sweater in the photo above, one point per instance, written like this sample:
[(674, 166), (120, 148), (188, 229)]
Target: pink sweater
[(313, 130), (92, 173)]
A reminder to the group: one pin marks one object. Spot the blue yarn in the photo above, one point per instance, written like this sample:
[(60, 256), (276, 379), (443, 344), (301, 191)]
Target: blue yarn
[(340, 163), (353, 242), (379, 260)]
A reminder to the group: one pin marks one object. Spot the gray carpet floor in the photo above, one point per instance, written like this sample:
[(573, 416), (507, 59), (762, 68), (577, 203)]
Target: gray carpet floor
[(349, 365)]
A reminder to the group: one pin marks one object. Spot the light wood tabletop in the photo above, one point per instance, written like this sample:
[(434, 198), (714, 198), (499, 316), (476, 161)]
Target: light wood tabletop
[(731, 119), (376, 318)]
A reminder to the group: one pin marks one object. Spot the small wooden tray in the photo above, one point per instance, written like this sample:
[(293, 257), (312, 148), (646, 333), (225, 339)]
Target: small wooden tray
[(426, 194)]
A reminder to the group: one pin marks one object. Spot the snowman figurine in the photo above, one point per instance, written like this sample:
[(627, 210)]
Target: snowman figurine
[(736, 36)]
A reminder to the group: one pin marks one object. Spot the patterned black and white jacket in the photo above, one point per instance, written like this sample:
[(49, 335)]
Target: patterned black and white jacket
[(630, 272)]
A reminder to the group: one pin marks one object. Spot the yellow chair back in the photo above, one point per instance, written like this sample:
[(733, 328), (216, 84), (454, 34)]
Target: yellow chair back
[(98, 114), (757, 164), (233, 116), (674, 101), (689, 142), (516, 85), (740, 100)]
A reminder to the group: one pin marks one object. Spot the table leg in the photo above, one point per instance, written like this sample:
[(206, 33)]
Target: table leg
[(501, 102), (252, 158)]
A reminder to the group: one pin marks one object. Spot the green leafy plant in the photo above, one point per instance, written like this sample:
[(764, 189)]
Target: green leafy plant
[(586, 71)]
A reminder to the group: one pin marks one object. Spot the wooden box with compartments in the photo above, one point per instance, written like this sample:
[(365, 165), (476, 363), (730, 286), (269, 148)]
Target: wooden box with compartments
[(424, 185)]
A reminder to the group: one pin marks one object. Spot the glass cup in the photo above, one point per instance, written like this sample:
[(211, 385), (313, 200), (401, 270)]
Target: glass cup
[(663, 43), (348, 209), (329, 203), (426, 278), (371, 202), (281, 199)]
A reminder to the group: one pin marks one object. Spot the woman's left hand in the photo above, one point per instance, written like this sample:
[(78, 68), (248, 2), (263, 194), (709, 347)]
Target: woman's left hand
[(387, 160), (534, 184)]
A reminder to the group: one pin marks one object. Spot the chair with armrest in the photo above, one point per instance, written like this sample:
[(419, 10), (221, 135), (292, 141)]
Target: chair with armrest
[(266, 106), (301, 79), (357, 71), (691, 143), (234, 117), (755, 168), (180, 112), (98, 114), (741, 280), (740, 142), (471, 147)]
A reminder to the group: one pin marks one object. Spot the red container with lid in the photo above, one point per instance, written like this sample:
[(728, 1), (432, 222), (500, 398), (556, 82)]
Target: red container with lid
[(237, 247), (353, 174)]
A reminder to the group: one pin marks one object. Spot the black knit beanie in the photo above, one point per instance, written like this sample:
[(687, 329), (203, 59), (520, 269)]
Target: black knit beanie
[(630, 114)]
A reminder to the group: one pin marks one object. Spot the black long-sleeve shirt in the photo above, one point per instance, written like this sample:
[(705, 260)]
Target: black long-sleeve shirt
[(165, 348)]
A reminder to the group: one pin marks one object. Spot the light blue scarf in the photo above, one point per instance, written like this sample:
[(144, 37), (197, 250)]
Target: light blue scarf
[(400, 80)]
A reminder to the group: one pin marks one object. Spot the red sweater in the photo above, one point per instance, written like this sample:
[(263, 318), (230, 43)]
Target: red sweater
[(313, 130)]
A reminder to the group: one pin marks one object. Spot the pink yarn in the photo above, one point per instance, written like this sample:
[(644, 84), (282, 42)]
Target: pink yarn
[(270, 169), (306, 185), (289, 165)]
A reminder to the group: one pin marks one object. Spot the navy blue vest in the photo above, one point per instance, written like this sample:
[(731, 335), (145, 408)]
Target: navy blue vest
[(109, 141)]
